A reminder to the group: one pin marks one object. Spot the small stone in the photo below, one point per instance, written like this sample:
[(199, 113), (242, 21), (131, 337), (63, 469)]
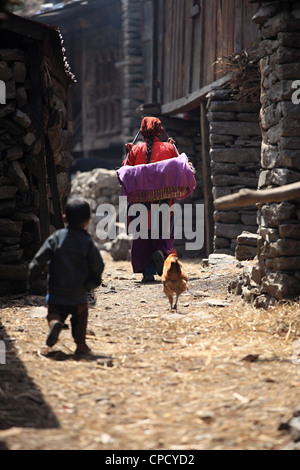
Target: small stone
[(213, 303), (22, 118), (19, 72)]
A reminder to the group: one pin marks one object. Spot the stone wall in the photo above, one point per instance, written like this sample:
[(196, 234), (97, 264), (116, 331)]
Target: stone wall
[(279, 243), (97, 187), (276, 275), (235, 141), (26, 199)]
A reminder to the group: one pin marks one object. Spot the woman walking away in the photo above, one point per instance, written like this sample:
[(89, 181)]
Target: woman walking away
[(148, 255)]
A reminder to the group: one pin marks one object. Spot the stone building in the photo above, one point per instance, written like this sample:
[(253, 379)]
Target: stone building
[(276, 273), (35, 141)]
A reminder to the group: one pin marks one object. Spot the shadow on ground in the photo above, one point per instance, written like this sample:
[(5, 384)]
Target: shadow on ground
[(21, 402)]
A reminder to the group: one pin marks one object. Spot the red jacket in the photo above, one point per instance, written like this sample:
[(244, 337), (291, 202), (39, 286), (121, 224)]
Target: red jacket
[(160, 151)]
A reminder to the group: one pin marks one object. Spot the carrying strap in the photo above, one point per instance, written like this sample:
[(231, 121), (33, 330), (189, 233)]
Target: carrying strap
[(136, 137), (134, 141), (176, 150)]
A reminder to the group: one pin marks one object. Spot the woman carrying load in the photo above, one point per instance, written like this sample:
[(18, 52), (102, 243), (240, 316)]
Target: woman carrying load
[(148, 255)]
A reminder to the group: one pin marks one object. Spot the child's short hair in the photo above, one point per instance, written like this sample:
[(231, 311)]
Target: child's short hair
[(77, 211)]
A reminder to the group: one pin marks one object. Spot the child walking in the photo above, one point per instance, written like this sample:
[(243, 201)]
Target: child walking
[(75, 267)]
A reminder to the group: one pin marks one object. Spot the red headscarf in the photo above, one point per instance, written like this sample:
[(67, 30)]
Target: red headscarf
[(150, 126)]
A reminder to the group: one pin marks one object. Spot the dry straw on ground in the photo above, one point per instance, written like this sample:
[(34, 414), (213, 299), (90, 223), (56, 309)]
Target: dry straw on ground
[(216, 374)]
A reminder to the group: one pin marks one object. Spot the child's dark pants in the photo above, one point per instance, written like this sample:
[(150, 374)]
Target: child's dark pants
[(79, 318)]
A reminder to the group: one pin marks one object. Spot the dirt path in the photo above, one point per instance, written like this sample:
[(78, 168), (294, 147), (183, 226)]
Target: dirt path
[(216, 374)]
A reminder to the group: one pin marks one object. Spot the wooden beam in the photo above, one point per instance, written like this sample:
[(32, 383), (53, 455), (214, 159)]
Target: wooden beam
[(207, 184), (192, 100), (248, 197)]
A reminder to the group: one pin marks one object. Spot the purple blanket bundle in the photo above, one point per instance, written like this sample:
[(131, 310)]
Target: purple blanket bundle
[(172, 178)]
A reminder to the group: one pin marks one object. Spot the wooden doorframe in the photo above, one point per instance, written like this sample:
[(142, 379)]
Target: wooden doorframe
[(207, 183)]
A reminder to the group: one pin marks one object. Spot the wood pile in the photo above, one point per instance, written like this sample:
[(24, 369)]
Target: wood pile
[(34, 143), (235, 141)]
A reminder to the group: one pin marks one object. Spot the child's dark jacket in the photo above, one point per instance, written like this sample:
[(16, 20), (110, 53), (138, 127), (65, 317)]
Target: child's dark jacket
[(75, 264)]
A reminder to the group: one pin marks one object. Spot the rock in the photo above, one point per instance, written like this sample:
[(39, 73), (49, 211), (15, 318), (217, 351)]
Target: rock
[(10, 228), (281, 285), (29, 139), (285, 247), (11, 256), (11, 55), (256, 274), (249, 293), (264, 301), (120, 247), (16, 174), (265, 13), (227, 217), (246, 246), (275, 213), (247, 238), (232, 230), (235, 155), (244, 252), (19, 72), (7, 192), (5, 71), (221, 259), (234, 180), (38, 312), (6, 109), (249, 218), (7, 207), (289, 230), (14, 153), (213, 303), (22, 118), (287, 263)]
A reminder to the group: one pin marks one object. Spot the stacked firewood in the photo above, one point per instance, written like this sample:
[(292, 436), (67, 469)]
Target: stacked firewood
[(22, 155)]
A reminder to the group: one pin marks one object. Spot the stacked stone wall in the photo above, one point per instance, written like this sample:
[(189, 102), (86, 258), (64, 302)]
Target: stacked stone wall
[(235, 141)]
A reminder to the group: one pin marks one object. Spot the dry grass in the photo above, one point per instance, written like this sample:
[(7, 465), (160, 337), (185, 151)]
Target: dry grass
[(206, 377), (245, 75)]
